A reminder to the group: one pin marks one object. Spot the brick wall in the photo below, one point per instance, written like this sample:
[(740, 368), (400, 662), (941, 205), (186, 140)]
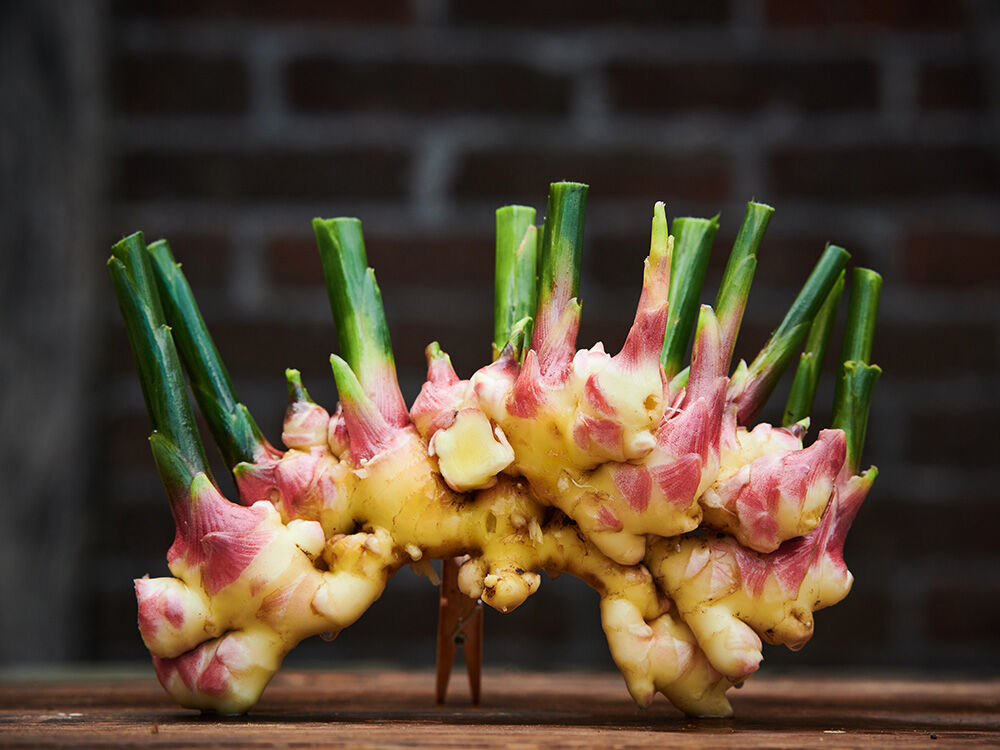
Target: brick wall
[(872, 124), (50, 178)]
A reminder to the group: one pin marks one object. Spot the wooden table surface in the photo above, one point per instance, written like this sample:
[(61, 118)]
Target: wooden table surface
[(527, 710)]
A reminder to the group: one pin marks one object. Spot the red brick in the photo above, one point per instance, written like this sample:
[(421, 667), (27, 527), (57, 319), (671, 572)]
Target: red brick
[(959, 439), (538, 634), (863, 618), (127, 440), (760, 321), (117, 357), (853, 174), (915, 351), (371, 11), (516, 175), (384, 628), (587, 12), (114, 620), (322, 85), (204, 258), (786, 259), (616, 259), (241, 344), (293, 261), (263, 348), (783, 259), (922, 530), (266, 347), (953, 86), (865, 14), (463, 260), (954, 258), (757, 327), (465, 334), (743, 86), (454, 260), (610, 332), (173, 85), (612, 327), (546, 619), (347, 174), (134, 528), (402, 265), (758, 324), (966, 613)]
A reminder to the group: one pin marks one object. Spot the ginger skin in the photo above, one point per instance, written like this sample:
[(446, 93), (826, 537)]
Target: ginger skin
[(228, 642), (549, 459)]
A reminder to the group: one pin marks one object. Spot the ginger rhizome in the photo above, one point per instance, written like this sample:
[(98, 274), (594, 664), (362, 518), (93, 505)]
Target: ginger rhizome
[(702, 533)]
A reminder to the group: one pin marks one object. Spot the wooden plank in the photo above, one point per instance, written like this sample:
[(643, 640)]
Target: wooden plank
[(397, 709)]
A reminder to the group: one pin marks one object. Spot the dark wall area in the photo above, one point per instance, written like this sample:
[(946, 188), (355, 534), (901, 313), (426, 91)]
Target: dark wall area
[(226, 126)]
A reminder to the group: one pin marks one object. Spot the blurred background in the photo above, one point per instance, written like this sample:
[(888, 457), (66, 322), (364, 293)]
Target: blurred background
[(226, 126)]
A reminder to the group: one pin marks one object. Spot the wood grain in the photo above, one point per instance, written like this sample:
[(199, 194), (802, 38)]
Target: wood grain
[(397, 709)]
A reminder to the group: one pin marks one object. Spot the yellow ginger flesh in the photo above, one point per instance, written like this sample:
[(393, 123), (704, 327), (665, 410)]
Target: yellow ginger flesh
[(471, 452)]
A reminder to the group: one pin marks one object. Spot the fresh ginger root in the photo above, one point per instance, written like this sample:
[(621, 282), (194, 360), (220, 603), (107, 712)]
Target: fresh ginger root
[(731, 596), (548, 459)]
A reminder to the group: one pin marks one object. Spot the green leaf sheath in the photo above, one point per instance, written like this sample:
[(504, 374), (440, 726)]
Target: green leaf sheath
[(434, 351), (803, 393), (738, 276), (159, 368), (354, 296), (349, 388), (857, 378), (659, 234), (560, 254), (563, 241), (367, 430), (866, 290), (768, 366), (176, 474), (234, 429), (356, 302), (515, 284), (296, 391), (850, 412), (693, 240), (520, 334)]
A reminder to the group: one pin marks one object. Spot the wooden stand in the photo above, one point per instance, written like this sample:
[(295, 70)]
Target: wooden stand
[(460, 623)]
